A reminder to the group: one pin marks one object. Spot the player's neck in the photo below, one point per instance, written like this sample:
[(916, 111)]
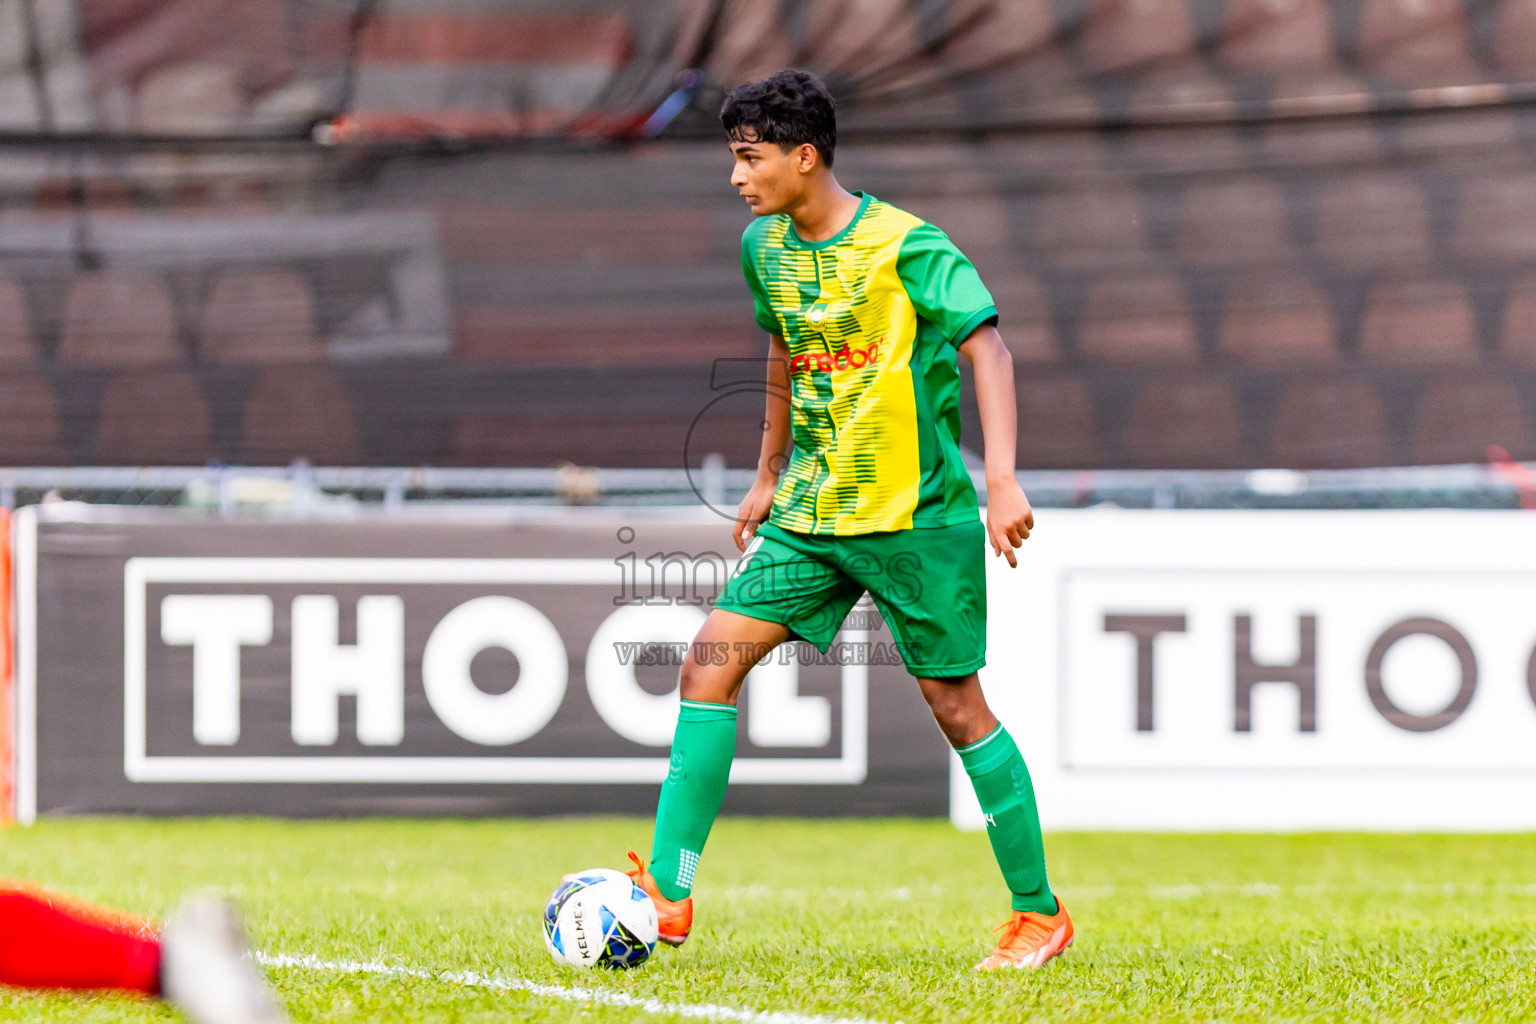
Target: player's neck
[(824, 211)]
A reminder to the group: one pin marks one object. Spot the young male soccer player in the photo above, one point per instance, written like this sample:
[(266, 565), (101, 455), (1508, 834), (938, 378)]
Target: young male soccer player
[(198, 962), (866, 306)]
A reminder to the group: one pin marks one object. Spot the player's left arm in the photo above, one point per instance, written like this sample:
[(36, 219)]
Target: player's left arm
[(1009, 516)]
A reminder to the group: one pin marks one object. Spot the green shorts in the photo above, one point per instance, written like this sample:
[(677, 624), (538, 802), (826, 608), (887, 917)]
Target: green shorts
[(929, 584)]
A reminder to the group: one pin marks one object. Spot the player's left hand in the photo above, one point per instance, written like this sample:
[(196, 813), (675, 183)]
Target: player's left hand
[(1009, 519)]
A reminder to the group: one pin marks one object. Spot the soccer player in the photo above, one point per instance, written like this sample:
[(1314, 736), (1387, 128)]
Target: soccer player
[(867, 307), (198, 963)]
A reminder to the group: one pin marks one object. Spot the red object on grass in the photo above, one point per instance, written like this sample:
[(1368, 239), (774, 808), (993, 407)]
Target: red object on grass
[(48, 941)]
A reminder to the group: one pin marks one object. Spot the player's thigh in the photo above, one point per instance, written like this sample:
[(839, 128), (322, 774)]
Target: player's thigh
[(792, 579), (723, 652), (930, 586)]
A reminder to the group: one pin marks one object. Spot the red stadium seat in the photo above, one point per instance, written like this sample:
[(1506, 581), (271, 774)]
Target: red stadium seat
[(29, 422), (119, 318), (1120, 35), (1496, 222), (983, 35), (1514, 40), (1459, 419), (1338, 141), (15, 325), (1137, 318), (1321, 424), (973, 217), (1265, 36), (1418, 319), (1276, 317), (153, 418), (751, 42), (1458, 134), (298, 412), (654, 441), (1056, 424), (191, 99), (1417, 42), (840, 35), (1181, 94), (1023, 317), (1186, 424), (1234, 222), (260, 317), (1368, 220), (1517, 335), (1092, 224)]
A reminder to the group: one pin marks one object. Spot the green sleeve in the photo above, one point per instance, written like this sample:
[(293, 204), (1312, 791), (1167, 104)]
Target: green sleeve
[(767, 319), (943, 285)]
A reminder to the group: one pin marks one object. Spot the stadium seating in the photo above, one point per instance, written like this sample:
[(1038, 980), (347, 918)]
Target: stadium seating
[(16, 344), (750, 43), (1119, 35), (1514, 40), (980, 35), (1024, 317), (119, 318), (1416, 42), (1057, 428), (1193, 423), (191, 99), (1496, 222), (298, 412), (1366, 221), (650, 441), (1321, 424), (1418, 319), (1137, 319), (1459, 419), (29, 421), (1517, 328), (1265, 36), (1091, 225), (1234, 222), (154, 417), (260, 317), (1277, 318)]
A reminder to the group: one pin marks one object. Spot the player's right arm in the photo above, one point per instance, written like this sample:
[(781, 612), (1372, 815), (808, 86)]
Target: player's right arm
[(770, 460)]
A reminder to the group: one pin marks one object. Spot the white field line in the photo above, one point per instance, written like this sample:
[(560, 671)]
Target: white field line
[(598, 997)]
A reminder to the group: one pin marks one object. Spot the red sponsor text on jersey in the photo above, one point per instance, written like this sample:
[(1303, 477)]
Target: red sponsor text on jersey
[(842, 359)]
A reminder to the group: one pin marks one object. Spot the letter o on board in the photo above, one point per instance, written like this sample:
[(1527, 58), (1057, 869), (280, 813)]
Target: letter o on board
[(495, 719), (1455, 641), (630, 711)]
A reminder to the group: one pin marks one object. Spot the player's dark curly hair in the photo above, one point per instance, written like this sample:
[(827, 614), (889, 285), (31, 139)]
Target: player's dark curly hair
[(789, 109)]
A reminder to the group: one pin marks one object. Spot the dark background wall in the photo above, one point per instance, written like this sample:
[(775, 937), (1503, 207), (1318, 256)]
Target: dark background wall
[(1221, 232)]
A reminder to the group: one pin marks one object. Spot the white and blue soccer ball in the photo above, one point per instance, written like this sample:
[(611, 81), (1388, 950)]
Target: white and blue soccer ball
[(600, 917)]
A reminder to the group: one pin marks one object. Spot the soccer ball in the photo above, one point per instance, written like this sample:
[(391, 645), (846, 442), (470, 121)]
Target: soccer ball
[(600, 917)]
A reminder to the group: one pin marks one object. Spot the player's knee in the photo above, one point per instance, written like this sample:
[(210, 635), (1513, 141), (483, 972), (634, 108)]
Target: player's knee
[(708, 684)]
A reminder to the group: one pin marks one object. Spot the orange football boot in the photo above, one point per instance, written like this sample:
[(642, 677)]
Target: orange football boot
[(674, 918), (1030, 939)]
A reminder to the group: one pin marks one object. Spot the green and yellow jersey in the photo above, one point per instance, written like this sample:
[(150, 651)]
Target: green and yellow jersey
[(872, 318)]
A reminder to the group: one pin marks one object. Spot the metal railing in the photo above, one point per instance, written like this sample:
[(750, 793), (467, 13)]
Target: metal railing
[(300, 489)]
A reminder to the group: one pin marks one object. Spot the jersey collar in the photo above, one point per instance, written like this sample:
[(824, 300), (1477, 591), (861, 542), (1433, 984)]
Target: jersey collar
[(794, 241)]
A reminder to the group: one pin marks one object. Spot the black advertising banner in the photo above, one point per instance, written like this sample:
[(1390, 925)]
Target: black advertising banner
[(176, 665)]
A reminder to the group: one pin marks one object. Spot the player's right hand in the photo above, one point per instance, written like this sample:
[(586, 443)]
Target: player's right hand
[(752, 511)]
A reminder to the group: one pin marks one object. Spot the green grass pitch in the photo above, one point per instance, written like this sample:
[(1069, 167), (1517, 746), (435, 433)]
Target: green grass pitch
[(867, 920)]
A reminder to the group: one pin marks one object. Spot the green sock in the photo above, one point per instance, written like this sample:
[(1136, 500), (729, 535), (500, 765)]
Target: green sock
[(1007, 799), (702, 750)]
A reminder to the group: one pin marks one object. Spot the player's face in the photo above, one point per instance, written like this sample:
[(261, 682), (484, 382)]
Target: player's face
[(768, 178)]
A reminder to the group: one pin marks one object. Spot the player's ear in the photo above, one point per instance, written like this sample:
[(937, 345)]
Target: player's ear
[(806, 158)]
